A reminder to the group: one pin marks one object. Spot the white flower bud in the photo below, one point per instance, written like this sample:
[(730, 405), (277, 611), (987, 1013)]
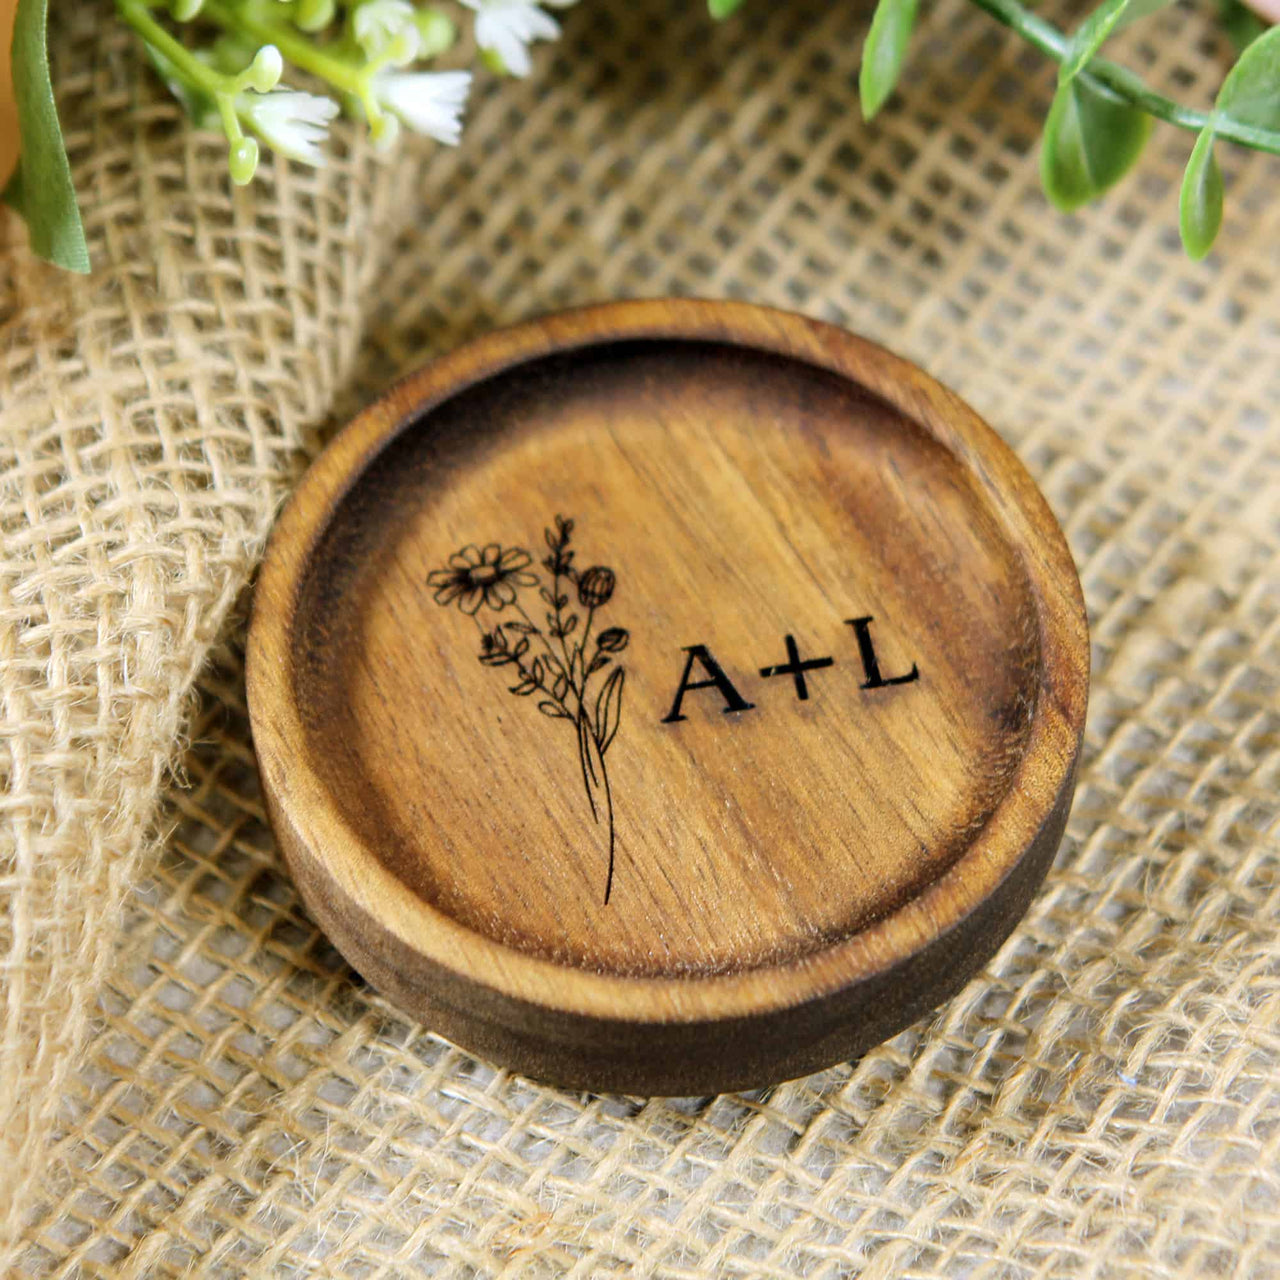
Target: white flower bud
[(265, 70), (436, 32), (314, 15), (403, 48), (378, 26), (384, 131), (242, 160)]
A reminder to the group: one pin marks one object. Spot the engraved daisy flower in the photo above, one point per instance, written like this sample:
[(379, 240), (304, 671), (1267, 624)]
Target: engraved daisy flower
[(507, 28), (476, 578)]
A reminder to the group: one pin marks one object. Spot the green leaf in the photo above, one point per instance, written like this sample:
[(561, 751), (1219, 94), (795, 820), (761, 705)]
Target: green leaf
[(1090, 143), (1200, 204), (884, 51), (722, 8), (1107, 18), (41, 188), (1251, 92), (1241, 24)]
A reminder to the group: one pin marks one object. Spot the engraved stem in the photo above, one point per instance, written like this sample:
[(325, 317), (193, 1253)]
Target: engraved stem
[(564, 643), (582, 648), (595, 777), (546, 644)]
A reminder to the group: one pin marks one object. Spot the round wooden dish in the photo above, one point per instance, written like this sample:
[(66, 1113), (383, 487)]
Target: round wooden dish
[(668, 697)]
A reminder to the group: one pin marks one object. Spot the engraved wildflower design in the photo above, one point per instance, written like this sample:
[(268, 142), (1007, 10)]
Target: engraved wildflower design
[(489, 577), (558, 661)]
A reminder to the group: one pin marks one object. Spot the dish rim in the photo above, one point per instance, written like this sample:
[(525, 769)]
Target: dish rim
[(324, 851)]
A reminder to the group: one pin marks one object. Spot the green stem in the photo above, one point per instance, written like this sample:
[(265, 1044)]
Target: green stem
[(1113, 81), (219, 87), (298, 49)]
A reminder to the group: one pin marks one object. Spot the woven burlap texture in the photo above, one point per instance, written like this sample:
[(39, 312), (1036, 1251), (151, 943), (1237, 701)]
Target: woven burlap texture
[(219, 1093)]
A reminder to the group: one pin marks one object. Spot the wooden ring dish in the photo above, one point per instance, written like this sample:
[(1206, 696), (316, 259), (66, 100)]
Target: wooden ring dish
[(668, 697)]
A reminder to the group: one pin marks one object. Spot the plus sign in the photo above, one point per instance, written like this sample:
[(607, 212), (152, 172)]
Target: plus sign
[(795, 668)]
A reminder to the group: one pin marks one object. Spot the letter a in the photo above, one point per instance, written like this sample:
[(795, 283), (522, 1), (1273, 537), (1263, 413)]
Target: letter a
[(734, 701)]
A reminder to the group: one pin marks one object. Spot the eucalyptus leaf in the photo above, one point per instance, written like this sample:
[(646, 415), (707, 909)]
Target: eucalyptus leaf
[(1200, 204), (723, 8), (1107, 18), (1090, 143), (1250, 94), (41, 188), (884, 51)]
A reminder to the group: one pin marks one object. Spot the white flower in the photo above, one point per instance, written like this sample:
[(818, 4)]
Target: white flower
[(508, 27), (377, 23), (429, 102), (294, 123)]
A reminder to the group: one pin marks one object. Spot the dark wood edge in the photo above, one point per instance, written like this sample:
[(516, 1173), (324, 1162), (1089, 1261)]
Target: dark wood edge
[(575, 1051)]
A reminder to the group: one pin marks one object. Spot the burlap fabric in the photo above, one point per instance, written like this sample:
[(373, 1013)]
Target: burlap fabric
[(191, 1080)]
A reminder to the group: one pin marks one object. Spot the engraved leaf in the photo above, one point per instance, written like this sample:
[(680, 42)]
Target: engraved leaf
[(569, 624), (561, 687), (609, 709), (590, 756), (536, 674), (601, 660), (550, 709), (613, 640), (524, 688)]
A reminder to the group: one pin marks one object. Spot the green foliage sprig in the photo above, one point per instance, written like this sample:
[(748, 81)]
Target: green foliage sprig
[(1101, 115), (224, 61)]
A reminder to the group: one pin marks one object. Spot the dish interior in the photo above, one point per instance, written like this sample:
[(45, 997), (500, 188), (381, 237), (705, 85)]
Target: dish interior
[(735, 499)]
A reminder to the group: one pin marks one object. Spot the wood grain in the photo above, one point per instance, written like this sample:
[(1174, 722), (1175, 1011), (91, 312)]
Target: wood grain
[(803, 861)]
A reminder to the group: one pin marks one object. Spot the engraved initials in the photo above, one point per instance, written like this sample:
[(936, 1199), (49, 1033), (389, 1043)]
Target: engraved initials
[(870, 664), (795, 667), (716, 678)]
